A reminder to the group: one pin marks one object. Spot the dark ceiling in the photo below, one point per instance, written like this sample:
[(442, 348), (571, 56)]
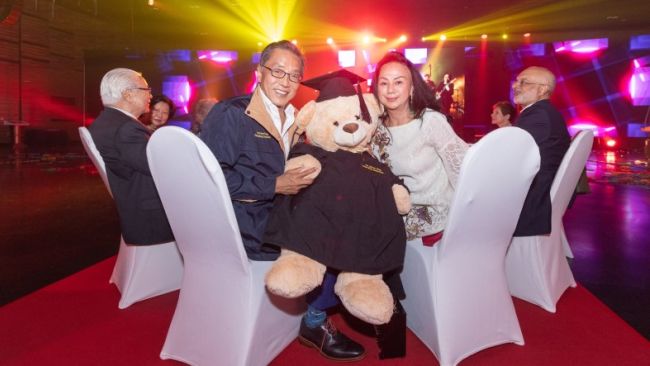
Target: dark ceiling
[(209, 23)]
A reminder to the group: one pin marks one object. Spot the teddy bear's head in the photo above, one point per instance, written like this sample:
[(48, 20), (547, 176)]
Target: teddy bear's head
[(338, 123)]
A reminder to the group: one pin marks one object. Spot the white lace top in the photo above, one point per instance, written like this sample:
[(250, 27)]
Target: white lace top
[(426, 154)]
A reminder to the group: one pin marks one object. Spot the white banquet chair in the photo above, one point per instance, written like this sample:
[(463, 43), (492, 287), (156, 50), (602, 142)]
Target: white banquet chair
[(140, 272), (224, 314), (457, 297), (536, 266)]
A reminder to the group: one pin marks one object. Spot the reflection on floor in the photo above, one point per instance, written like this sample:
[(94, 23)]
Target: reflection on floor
[(58, 218)]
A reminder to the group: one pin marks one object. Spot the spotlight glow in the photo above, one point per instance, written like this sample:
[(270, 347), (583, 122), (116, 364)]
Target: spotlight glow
[(504, 36), (403, 38), (484, 36), (443, 37), (527, 35), (330, 41)]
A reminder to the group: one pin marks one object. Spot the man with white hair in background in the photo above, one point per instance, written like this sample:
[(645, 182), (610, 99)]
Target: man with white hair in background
[(122, 140), (532, 90)]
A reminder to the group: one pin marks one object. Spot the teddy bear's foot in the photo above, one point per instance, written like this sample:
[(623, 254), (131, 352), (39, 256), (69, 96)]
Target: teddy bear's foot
[(293, 275), (365, 296)]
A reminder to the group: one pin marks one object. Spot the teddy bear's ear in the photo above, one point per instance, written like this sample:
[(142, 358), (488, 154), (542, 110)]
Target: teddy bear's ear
[(305, 115)]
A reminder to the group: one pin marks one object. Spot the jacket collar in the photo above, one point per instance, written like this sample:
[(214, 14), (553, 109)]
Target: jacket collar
[(257, 111)]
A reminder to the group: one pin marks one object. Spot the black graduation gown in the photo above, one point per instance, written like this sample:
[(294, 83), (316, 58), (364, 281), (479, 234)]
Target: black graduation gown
[(347, 219)]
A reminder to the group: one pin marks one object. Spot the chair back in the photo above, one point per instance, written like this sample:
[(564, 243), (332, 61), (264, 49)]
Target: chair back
[(494, 179), (95, 157), (568, 174), (195, 196), (457, 295)]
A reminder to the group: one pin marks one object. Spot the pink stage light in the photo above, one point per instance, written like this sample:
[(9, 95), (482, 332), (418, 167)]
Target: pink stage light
[(584, 46), (179, 90), (600, 129), (220, 57), (639, 83)]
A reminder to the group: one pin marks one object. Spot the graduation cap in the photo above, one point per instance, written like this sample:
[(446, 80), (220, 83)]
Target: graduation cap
[(336, 84)]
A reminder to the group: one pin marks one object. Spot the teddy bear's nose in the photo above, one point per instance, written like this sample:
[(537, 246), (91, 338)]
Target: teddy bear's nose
[(351, 127)]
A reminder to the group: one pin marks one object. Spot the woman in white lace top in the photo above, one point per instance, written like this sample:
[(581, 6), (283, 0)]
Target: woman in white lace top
[(417, 142)]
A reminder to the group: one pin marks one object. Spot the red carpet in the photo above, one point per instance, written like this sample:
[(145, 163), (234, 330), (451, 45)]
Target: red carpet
[(76, 322)]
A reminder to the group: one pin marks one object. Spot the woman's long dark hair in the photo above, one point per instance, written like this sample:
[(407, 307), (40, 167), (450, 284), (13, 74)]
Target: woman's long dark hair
[(423, 97)]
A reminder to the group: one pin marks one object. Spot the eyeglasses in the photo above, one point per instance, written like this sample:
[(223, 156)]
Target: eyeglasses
[(144, 89), (277, 73), (523, 82)]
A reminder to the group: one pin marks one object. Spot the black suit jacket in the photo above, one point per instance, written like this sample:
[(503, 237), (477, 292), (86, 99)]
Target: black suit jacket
[(122, 142), (547, 126)]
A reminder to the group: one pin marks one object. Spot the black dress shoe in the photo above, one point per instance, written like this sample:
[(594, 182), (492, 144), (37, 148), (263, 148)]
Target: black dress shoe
[(330, 342)]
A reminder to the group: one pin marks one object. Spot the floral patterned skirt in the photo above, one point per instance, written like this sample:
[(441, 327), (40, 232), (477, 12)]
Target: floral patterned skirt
[(425, 220)]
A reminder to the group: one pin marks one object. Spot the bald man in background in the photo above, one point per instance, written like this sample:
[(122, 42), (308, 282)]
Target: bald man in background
[(532, 90)]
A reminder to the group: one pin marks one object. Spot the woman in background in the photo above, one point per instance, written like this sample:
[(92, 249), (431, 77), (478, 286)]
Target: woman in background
[(503, 113), (161, 109), (201, 109)]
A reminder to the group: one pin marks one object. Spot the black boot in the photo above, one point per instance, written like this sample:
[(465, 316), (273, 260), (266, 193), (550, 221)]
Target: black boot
[(391, 337), (330, 342)]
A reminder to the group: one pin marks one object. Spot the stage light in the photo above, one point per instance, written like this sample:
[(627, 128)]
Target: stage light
[(527, 35), (294, 41), (347, 58), (610, 143), (365, 39), (259, 44), (330, 41), (221, 57), (418, 56), (584, 46), (484, 36), (151, 2), (403, 38), (504, 36), (443, 37)]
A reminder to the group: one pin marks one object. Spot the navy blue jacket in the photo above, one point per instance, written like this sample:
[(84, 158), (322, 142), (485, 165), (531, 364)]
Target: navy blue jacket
[(248, 147), (545, 123), (122, 143)]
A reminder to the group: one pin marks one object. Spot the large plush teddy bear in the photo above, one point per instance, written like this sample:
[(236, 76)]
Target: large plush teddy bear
[(349, 218)]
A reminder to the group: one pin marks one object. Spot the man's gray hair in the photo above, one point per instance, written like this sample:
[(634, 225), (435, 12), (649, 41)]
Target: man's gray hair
[(283, 45), (115, 82)]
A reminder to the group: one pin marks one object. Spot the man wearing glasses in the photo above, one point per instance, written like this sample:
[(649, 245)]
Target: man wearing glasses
[(532, 90), (251, 136), (122, 140)]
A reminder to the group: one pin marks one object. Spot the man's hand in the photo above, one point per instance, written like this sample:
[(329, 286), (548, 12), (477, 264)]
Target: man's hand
[(293, 180)]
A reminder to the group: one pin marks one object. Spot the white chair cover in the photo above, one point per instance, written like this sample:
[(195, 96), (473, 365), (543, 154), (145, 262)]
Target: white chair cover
[(140, 272), (536, 266), (457, 297), (565, 243), (224, 314)]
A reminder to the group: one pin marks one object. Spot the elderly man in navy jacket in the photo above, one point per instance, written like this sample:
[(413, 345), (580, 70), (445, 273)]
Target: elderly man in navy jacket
[(122, 141), (532, 90), (251, 137)]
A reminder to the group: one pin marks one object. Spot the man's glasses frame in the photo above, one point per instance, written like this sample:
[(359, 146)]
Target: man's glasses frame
[(138, 88), (280, 74), (523, 82)]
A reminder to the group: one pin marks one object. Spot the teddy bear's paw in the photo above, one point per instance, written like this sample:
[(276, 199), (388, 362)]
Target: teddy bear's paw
[(294, 275), (402, 199), (366, 297)]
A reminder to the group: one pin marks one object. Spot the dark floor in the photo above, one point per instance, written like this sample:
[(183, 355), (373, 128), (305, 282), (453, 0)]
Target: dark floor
[(56, 218)]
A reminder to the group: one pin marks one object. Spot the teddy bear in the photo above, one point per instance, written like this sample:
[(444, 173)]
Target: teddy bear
[(349, 219)]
